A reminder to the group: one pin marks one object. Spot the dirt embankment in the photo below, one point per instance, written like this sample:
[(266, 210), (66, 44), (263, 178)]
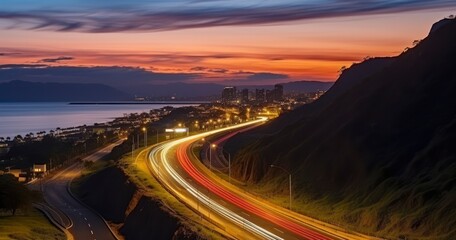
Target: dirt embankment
[(135, 215)]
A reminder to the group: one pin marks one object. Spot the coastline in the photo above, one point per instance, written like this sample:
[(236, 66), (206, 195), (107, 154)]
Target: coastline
[(23, 118), (139, 103)]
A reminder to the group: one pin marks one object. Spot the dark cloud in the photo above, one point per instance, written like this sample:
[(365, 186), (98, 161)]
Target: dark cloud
[(198, 69), (218, 70), (129, 78), (246, 78), (20, 66), (148, 19), (115, 75), (55, 60), (8, 53), (209, 70), (177, 58), (266, 76), (241, 72)]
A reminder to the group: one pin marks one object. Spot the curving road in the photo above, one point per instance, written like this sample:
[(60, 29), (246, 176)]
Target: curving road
[(239, 214), (80, 221)]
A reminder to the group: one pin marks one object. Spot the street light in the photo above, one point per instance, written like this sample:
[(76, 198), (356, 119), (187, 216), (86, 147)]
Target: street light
[(289, 178), (210, 157), (145, 136), (229, 161), (210, 153)]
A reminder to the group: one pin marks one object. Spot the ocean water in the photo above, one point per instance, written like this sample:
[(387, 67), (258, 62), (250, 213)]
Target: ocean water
[(23, 118)]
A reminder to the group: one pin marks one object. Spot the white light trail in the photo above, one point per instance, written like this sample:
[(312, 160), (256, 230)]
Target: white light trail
[(202, 198)]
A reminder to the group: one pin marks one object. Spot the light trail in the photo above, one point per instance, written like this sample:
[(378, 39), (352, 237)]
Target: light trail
[(186, 164), (202, 198)]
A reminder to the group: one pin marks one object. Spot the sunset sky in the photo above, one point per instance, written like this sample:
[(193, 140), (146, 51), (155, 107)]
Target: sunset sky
[(229, 42)]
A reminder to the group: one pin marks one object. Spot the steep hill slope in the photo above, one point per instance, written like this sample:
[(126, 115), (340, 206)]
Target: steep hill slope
[(376, 153)]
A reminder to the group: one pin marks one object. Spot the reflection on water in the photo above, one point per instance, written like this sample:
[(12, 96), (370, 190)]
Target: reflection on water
[(23, 118)]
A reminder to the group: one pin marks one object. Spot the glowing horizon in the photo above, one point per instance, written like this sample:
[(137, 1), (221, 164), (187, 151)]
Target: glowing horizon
[(240, 51)]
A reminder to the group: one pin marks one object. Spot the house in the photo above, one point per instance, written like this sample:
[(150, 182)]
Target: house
[(18, 173), (38, 170)]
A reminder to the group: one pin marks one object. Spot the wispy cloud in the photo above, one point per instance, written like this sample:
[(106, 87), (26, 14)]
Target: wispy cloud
[(210, 70), (266, 76), (55, 60), (119, 76), (194, 14), (20, 66), (187, 58), (8, 54), (246, 78), (112, 75)]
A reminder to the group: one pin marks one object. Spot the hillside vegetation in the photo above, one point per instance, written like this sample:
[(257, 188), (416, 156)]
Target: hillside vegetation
[(377, 152)]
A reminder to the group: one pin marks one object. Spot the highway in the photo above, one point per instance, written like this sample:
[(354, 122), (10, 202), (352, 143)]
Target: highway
[(80, 221), (237, 213)]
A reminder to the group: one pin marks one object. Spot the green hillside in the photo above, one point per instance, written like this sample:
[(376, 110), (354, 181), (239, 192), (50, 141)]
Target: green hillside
[(378, 152)]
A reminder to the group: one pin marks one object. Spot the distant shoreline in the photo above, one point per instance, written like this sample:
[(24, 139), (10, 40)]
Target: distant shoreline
[(21, 118), (139, 102)]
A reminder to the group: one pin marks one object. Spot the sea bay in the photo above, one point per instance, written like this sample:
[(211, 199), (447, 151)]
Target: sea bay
[(25, 117)]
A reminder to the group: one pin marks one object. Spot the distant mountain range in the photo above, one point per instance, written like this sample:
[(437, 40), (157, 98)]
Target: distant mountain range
[(376, 152), (37, 91), (20, 91)]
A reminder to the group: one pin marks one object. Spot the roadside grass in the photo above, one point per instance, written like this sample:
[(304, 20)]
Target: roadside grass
[(32, 225), (343, 213), (140, 175), (89, 169), (276, 191), (381, 219)]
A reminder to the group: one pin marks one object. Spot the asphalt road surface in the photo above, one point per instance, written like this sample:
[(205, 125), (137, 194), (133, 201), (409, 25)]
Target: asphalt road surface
[(239, 214), (80, 221)]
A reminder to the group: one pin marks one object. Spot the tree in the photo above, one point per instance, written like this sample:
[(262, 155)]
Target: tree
[(342, 69), (13, 194), (18, 138)]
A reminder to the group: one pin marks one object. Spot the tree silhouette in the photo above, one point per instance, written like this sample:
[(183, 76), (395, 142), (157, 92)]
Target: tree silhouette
[(13, 194), (342, 69)]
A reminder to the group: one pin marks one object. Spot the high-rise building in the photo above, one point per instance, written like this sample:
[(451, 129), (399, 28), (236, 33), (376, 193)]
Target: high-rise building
[(270, 96), (229, 94), (245, 95), (278, 92), (259, 96)]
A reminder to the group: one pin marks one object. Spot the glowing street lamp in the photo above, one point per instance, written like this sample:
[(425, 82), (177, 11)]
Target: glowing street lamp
[(210, 152), (210, 155), (145, 136), (229, 161), (289, 178), (214, 146)]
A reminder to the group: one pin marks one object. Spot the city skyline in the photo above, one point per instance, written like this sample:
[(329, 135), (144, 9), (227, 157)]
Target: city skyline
[(232, 43), (227, 119)]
